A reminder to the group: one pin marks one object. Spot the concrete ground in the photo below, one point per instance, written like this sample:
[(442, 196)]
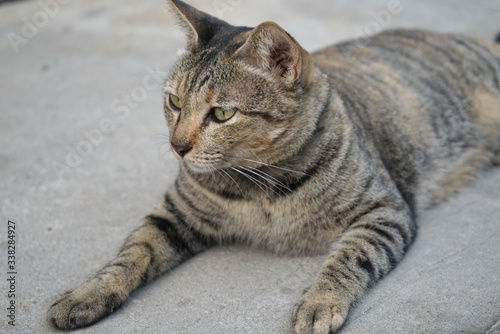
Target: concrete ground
[(84, 156)]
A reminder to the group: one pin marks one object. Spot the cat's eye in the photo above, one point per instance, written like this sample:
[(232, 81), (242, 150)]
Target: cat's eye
[(175, 102), (222, 114)]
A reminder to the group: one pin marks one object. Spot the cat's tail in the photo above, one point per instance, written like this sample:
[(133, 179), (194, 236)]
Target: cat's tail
[(497, 39)]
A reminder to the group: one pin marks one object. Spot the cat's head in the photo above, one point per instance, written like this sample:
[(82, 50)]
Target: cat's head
[(236, 94)]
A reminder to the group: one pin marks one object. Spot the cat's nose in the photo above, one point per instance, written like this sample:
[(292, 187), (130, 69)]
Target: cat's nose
[(181, 150)]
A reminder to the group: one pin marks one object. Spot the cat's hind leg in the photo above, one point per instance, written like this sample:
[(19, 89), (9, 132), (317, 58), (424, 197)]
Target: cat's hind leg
[(486, 109), (162, 241)]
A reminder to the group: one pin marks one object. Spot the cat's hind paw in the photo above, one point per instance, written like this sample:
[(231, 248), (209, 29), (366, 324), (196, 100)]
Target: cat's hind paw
[(319, 312)]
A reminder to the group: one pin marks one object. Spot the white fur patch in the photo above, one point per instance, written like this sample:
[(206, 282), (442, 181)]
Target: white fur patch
[(181, 52)]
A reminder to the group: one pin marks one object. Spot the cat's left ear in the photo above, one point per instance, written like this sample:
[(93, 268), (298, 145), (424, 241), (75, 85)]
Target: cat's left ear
[(200, 27), (273, 51)]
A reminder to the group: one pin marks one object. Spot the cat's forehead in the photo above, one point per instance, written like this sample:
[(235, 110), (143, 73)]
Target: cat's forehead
[(194, 71), (210, 62), (197, 72)]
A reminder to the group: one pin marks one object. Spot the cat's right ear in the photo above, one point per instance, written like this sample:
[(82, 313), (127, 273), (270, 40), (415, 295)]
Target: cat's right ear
[(200, 27)]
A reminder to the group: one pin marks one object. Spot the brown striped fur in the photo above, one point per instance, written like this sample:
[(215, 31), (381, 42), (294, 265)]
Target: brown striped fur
[(332, 151)]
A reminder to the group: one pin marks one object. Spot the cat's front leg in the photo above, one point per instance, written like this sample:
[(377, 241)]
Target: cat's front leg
[(162, 241), (373, 244)]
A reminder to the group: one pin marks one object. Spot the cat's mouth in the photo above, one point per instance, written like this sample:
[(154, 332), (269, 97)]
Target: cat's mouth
[(204, 163)]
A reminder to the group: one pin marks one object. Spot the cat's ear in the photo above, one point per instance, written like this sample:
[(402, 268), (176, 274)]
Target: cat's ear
[(270, 49), (200, 27)]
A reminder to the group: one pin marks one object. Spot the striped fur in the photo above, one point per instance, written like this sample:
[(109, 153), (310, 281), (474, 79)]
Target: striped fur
[(335, 151)]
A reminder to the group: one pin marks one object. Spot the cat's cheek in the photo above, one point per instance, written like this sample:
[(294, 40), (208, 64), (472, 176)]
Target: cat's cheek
[(172, 120)]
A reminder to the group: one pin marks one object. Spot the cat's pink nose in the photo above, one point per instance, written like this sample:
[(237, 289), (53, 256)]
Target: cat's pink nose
[(181, 150)]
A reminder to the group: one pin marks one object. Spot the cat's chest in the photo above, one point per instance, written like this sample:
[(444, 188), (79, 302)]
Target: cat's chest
[(286, 225)]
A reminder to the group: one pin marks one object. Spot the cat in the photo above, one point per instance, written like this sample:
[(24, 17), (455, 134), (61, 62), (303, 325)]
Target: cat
[(335, 151)]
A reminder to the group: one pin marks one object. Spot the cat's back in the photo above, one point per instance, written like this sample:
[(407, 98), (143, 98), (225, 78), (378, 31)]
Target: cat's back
[(409, 49), (429, 102), (419, 61)]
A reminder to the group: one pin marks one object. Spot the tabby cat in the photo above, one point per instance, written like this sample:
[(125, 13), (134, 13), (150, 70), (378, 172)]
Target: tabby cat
[(307, 153)]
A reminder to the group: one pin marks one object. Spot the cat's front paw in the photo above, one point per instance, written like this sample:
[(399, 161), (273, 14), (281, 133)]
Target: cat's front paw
[(319, 312), (83, 306)]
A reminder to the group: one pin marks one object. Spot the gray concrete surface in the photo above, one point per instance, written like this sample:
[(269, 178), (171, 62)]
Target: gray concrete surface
[(75, 199)]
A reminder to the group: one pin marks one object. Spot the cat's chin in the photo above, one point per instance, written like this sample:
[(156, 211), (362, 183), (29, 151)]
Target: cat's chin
[(201, 168)]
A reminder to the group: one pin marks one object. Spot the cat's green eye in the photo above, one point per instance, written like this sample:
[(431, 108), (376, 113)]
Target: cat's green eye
[(223, 115), (175, 102)]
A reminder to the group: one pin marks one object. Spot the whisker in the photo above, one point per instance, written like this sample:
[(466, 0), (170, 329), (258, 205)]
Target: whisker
[(167, 145), (162, 141), (255, 181), (273, 166), (236, 183), (215, 169), (263, 177), (164, 149), (161, 135), (270, 178)]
